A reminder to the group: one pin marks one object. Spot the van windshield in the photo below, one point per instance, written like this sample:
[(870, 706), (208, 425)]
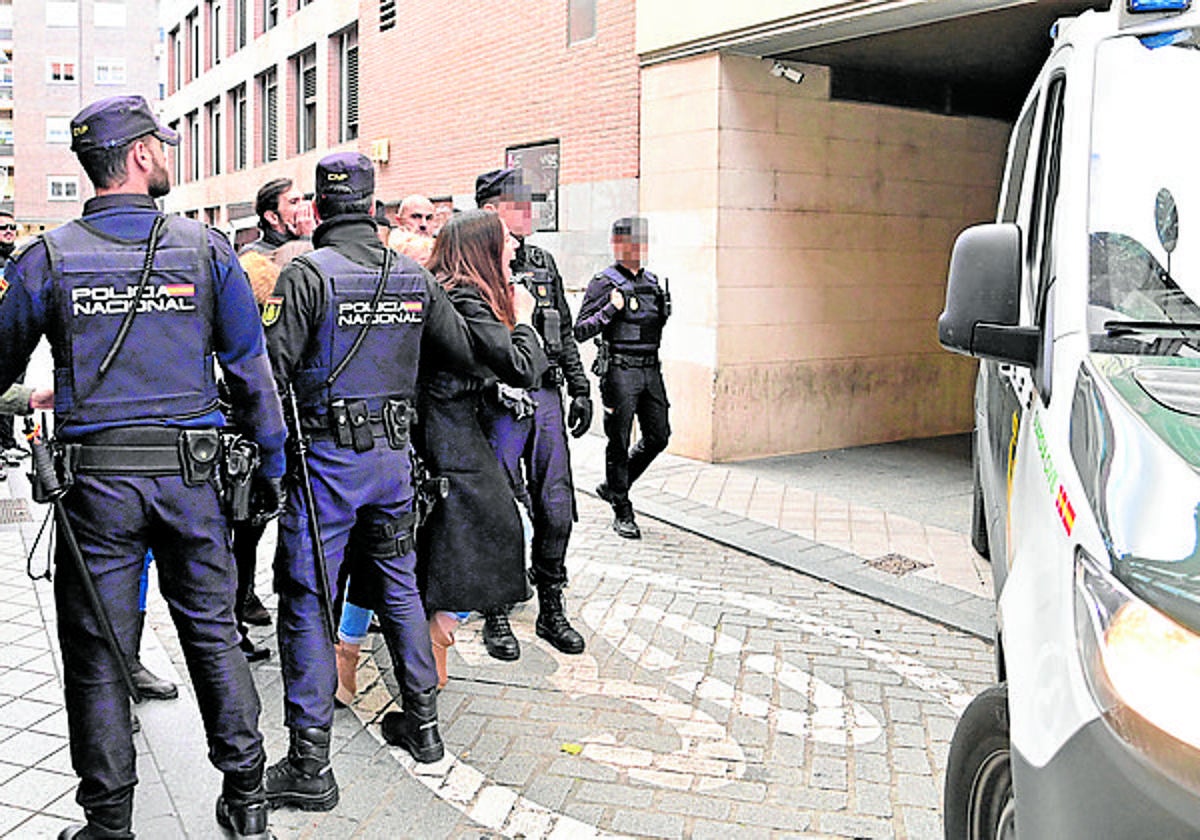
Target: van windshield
[(1144, 197)]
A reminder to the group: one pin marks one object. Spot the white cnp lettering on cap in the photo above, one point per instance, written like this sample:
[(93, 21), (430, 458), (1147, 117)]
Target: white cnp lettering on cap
[(336, 176)]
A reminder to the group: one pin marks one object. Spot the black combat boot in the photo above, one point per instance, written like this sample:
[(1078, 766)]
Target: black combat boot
[(416, 728), (150, 686), (498, 636), (304, 779), (242, 805), (552, 624), (111, 822)]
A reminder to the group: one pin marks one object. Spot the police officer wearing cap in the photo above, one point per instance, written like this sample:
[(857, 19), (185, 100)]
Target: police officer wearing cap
[(627, 307), (136, 305), (540, 441), (345, 331)]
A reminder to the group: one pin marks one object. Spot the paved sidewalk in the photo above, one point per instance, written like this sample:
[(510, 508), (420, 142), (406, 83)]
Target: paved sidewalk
[(825, 515)]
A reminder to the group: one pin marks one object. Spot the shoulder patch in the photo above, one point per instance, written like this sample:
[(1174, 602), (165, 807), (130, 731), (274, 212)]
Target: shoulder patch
[(272, 307), (3, 287)]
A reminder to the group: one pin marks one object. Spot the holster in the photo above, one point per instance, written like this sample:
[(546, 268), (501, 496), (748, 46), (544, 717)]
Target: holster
[(394, 538), (398, 418), (550, 328), (351, 424), (237, 469)]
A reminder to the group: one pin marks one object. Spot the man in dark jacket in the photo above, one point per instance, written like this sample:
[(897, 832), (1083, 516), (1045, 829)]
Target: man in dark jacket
[(539, 442), (135, 305), (281, 209), (346, 354), (626, 306)]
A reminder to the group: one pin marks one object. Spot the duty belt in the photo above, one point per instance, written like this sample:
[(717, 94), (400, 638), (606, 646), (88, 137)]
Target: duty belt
[(149, 451), (631, 360)]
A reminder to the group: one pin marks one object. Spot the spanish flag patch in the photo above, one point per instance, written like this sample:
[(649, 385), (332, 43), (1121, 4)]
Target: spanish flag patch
[(3, 287), (272, 306)]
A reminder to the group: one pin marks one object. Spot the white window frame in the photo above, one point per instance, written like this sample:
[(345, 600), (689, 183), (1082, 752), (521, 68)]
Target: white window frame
[(216, 32), (114, 74), (58, 129), (68, 187), (62, 60), (115, 14), (62, 14), (308, 111), (214, 114), (347, 42), (239, 115)]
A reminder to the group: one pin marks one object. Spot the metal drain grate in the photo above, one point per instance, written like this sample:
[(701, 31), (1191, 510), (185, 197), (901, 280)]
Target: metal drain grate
[(13, 511), (896, 564)]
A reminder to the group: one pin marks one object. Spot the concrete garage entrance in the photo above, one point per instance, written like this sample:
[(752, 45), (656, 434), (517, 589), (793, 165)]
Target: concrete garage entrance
[(812, 211)]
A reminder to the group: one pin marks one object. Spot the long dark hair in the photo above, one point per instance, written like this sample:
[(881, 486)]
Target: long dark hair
[(469, 251)]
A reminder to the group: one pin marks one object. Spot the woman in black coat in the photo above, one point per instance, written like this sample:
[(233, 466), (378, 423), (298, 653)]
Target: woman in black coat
[(472, 545)]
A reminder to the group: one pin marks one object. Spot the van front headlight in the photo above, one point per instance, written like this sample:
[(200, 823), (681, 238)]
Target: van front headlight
[(1142, 668)]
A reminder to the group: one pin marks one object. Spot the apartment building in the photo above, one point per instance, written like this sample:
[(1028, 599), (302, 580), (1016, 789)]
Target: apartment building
[(55, 57)]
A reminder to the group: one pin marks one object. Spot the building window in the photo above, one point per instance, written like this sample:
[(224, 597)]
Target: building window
[(270, 14), (193, 137), (109, 13), (58, 129), (348, 85), (216, 32), (110, 71), (306, 107), (581, 20), (268, 91), (62, 13), (238, 112), (538, 163), (241, 23), (60, 70), (215, 135), (176, 156), (62, 187), (387, 14), (176, 68), (193, 28)]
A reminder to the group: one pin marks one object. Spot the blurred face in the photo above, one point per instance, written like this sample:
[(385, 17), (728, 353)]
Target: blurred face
[(518, 215), (160, 176), (417, 215), (292, 212), (441, 214), (510, 251)]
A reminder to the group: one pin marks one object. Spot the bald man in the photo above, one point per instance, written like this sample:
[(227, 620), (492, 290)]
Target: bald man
[(416, 214)]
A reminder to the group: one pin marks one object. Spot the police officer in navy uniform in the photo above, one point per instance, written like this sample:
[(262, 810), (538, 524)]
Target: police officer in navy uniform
[(160, 297), (626, 307), (345, 332), (539, 442)]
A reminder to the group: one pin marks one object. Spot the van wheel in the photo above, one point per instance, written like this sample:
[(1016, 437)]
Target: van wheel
[(979, 534), (979, 790)]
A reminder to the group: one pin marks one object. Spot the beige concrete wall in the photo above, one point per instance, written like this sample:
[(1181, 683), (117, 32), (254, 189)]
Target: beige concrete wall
[(815, 262)]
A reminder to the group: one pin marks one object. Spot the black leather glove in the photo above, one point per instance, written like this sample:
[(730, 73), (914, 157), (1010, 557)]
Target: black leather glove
[(579, 416), (266, 499)]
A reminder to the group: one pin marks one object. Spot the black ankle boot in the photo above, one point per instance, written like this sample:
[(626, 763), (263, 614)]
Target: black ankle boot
[(416, 728), (498, 636), (552, 624), (305, 778), (112, 822), (242, 805), (150, 686)]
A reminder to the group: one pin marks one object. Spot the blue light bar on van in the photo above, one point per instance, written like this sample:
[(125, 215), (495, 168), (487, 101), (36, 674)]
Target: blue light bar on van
[(1138, 6)]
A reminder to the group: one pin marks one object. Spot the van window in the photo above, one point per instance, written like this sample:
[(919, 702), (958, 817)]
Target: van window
[(1017, 157), (1041, 224)]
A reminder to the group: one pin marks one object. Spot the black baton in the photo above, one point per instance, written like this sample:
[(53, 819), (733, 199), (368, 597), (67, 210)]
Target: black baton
[(53, 490), (300, 447)]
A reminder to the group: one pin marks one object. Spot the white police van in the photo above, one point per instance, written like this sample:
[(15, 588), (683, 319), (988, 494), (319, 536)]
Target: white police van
[(1083, 303)]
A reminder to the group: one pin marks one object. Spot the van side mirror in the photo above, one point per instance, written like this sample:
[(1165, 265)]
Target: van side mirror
[(983, 303)]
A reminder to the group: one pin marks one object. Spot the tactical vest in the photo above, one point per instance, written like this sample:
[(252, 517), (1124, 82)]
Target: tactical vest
[(637, 328), (385, 365), (534, 274), (165, 368)]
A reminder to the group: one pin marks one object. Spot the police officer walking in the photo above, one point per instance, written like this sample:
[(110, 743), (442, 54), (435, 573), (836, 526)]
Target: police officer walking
[(539, 442), (136, 305), (626, 307), (345, 332)]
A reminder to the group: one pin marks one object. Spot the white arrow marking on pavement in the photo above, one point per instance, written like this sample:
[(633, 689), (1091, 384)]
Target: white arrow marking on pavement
[(503, 810)]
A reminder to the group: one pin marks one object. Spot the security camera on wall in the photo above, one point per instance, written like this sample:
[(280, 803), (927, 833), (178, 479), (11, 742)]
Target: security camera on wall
[(782, 71)]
